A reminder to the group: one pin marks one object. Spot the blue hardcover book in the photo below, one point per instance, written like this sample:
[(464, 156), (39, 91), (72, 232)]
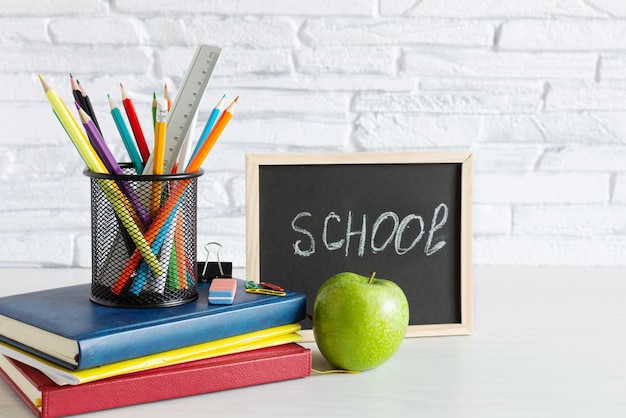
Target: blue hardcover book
[(65, 327)]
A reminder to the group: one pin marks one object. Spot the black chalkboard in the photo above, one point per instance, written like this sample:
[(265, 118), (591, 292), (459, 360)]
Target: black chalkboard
[(405, 216)]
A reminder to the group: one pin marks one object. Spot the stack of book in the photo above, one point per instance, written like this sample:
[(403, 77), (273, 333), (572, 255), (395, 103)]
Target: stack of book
[(65, 355)]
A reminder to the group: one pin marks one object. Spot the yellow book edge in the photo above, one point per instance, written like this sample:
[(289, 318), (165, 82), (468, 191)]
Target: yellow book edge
[(245, 342)]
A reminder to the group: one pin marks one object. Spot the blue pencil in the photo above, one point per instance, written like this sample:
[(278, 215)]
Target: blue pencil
[(209, 125), (135, 158)]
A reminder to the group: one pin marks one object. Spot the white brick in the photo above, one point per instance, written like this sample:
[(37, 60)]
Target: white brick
[(580, 158), (556, 127), (248, 7), (619, 190), (20, 221), (289, 133), (490, 8), (212, 190), (567, 220), (583, 128), (95, 31), (69, 194), (479, 84), (491, 220), (549, 251), (340, 60), (321, 82), (220, 226), (22, 131), (474, 103), (470, 63), (36, 249), (612, 66), (571, 188), (583, 96), (394, 131), (512, 129), (261, 34), (168, 31), (63, 59), (48, 163), (52, 8), (30, 89), (83, 250), (506, 157), (238, 192), (20, 30), (302, 105), (563, 35), (611, 7), (347, 32), (175, 61)]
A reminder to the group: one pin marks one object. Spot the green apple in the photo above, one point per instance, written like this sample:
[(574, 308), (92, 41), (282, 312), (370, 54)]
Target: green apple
[(359, 322)]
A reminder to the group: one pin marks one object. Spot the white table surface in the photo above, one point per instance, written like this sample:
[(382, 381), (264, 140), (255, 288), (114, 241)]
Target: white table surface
[(547, 342)]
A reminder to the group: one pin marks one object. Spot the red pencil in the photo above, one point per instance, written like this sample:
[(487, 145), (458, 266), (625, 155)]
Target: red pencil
[(135, 126)]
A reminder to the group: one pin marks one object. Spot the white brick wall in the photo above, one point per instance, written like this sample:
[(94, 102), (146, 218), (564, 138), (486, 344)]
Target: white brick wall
[(536, 89)]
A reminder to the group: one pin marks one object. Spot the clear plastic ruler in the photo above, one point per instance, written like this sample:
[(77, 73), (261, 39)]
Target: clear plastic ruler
[(187, 101)]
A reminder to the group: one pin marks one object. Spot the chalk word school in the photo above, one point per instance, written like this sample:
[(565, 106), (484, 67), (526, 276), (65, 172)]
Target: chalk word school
[(379, 241)]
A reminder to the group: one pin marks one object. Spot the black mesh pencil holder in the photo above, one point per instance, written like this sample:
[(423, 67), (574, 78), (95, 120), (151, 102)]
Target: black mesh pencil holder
[(143, 235)]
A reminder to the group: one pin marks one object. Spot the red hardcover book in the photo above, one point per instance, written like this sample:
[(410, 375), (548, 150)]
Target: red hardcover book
[(48, 400)]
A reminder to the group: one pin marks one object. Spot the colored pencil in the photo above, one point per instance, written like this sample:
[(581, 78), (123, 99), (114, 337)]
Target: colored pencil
[(86, 105), (198, 159), (169, 205), (209, 125), (135, 158), (166, 95), (77, 136), (95, 164), (109, 161), (159, 136), (158, 155), (154, 109), (78, 95), (131, 114)]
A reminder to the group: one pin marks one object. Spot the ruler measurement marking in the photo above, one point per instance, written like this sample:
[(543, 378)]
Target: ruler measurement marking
[(188, 100)]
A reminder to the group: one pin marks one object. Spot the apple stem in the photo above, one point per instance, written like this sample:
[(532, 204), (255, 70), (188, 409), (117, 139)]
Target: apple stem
[(371, 277)]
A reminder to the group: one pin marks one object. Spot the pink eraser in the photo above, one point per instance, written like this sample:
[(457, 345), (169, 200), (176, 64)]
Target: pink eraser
[(222, 291)]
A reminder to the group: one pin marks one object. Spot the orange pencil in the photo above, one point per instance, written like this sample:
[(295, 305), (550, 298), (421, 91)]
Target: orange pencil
[(198, 159), (150, 235)]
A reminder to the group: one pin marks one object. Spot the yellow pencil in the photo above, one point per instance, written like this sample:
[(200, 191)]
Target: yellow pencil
[(158, 158), (95, 164), (77, 136), (159, 136)]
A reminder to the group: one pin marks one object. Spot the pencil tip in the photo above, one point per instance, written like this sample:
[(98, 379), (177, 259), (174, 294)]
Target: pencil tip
[(45, 85), (237, 99)]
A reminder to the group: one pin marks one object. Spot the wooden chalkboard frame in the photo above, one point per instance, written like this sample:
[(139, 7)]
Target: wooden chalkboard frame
[(464, 159)]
